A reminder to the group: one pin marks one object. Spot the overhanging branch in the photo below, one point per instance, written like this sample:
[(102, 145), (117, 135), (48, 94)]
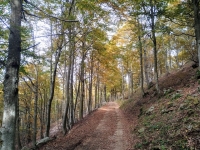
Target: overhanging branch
[(31, 47), (48, 14)]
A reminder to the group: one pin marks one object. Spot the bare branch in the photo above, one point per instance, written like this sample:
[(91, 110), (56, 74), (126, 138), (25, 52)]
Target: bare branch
[(179, 34), (48, 14), (4, 23), (31, 47), (26, 12)]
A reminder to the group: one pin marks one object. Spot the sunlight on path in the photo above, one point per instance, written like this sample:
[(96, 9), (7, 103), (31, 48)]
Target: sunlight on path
[(119, 140), (109, 134)]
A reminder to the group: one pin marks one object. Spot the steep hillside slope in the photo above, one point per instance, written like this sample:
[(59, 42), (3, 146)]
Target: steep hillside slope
[(171, 119)]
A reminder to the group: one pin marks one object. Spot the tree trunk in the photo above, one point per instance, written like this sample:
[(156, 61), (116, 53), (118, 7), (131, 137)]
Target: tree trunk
[(41, 115), (18, 128), (141, 57), (95, 93), (82, 84), (12, 78), (69, 109), (141, 66), (52, 92), (123, 83), (35, 114), (197, 26), (90, 84), (72, 81), (67, 95), (98, 85), (77, 96), (146, 67), (105, 100), (152, 15)]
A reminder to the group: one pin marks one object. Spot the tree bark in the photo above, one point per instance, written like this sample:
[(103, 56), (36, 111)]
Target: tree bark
[(52, 91), (18, 128), (123, 90), (77, 96), (146, 67), (82, 83), (141, 65), (35, 112), (152, 15), (67, 95), (12, 77), (90, 84), (72, 80), (105, 100), (197, 26)]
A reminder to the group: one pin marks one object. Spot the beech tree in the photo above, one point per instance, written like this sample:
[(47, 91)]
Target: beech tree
[(197, 25), (12, 77)]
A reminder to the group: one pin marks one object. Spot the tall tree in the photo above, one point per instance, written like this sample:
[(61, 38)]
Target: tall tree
[(197, 25), (69, 108), (153, 10), (141, 57), (12, 77), (52, 85)]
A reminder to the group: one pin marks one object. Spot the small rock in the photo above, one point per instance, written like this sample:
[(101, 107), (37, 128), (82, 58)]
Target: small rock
[(141, 130), (189, 127), (193, 100), (169, 104), (182, 106), (166, 110), (150, 110), (179, 91)]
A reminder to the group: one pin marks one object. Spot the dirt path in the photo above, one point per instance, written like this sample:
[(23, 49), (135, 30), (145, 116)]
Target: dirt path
[(104, 129)]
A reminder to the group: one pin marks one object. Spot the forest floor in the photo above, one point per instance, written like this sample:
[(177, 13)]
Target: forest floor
[(168, 120), (106, 128)]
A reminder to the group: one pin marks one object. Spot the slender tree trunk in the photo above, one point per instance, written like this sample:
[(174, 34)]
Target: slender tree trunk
[(67, 95), (77, 95), (130, 83), (90, 84), (101, 97), (82, 94), (35, 113), (105, 100), (69, 109), (96, 105), (41, 116), (197, 26), (11, 79), (141, 65), (45, 108), (166, 56), (177, 58), (52, 85), (28, 126), (152, 15), (82, 84), (72, 81), (122, 82), (98, 85), (86, 97), (66, 119), (146, 67), (35, 90), (52, 92), (141, 58)]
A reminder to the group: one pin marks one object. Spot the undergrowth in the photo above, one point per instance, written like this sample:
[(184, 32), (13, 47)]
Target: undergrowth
[(171, 120)]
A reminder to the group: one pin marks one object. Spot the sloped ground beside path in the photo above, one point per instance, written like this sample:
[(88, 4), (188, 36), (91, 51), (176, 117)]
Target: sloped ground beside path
[(104, 129)]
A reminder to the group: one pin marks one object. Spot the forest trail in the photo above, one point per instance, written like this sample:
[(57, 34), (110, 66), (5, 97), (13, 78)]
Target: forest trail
[(104, 129)]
